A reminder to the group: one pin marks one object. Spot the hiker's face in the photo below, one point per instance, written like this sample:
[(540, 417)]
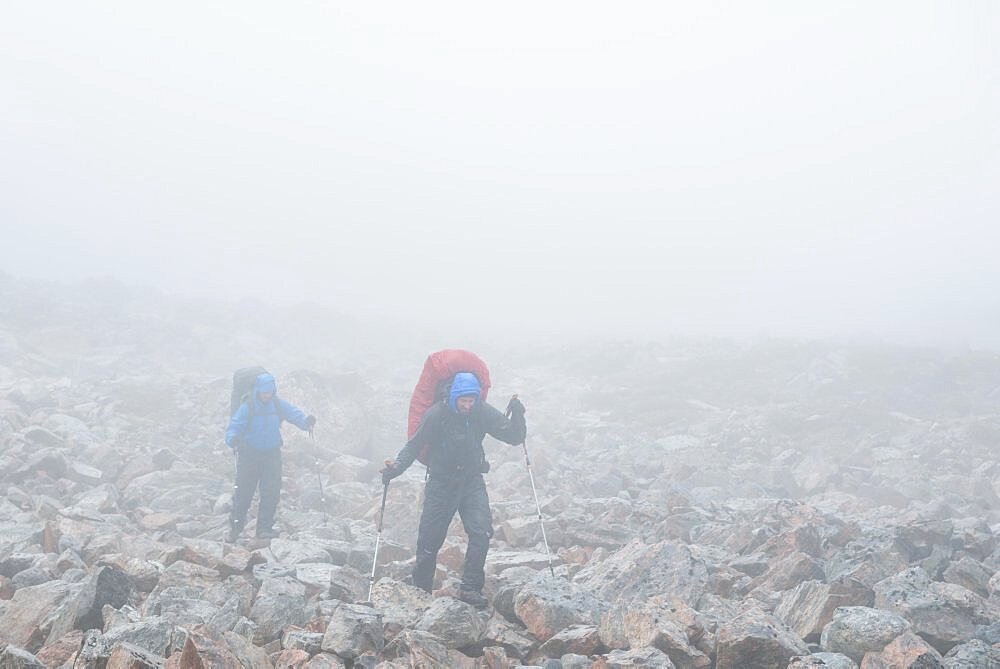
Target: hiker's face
[(465, 404), (265, 397)]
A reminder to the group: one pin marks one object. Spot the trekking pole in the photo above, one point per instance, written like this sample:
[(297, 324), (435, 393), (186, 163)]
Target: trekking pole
[(378, 540), (534, 492), (319, 477)]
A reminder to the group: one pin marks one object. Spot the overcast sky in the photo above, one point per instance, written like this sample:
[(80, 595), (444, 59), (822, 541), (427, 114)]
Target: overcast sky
[(791, 168)]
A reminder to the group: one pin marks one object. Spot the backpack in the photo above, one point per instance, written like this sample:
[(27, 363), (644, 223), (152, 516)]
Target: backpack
[(434, 385)]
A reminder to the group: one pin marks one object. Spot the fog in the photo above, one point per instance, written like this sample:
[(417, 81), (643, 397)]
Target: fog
[(642, 170)]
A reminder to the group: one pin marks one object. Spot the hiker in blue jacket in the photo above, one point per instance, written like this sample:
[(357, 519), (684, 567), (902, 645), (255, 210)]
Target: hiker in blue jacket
[(254, 432)]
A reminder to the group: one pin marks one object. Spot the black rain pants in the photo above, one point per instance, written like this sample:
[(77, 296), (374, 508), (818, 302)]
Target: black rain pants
[(443, 496)]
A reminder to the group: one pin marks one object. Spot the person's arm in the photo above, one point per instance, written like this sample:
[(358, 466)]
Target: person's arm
[(509, 430), (426, 433), (295, 415), (237, 425)]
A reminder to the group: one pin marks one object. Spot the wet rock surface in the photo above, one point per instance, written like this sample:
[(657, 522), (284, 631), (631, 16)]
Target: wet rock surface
[(707, 504)]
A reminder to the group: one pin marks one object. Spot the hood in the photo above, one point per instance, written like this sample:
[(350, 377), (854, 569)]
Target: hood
[(264, 383), (463, 384)]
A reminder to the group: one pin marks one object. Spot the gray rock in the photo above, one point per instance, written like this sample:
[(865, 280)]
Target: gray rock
[(637, 571), (353, 630), (574, 661), (836, 661), (653, 624), (326, 661), (756, 639), (153, 635), (129, 656), (513, 639), (300, 639), (347, 584), (546, 606), (31, 576), (856, 630), (280, 602), (970, 574), (106, 586), (650, 658), (401, 605), (456, 623), (809, 606), (250, 656), (943, 613), (13, 564), (414, 648), (975, 654), (907, 651), (291, 552), (577, 639), (12, 657), (29, 615)]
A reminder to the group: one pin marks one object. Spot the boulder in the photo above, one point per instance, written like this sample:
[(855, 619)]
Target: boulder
[(152, 635), (650, 658), (415, 648), (907, 651), (401, 605), (638, 571), (943, 613), (653, 624), (280, 602), (972, 655), (352, 631), (856, 630), (12, 657), (129, 656), (295, 638), (456, 623), (808, 607), (547, 606), (28, 617), (58, 653), (754, 638), (576, 639), (970, 574), (107, 586)]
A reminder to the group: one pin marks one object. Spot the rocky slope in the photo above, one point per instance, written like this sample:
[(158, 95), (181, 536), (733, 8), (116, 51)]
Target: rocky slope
[(708, 504)]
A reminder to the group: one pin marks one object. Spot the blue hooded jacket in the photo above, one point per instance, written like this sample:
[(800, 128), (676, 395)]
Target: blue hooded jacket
[(260, 428), (464, 384)]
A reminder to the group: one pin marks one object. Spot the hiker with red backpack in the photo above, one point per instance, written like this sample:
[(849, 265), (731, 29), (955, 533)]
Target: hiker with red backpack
[(454, 430), (254, 433)]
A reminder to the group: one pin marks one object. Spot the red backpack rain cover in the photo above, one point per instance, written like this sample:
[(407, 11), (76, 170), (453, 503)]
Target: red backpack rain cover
[(441, 367)]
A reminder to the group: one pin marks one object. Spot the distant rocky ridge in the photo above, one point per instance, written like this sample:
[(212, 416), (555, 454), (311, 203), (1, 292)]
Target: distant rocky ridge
[(709, 504)]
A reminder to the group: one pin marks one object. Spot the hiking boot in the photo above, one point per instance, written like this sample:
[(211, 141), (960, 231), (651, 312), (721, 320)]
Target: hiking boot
[(267, 534), (474, 598)]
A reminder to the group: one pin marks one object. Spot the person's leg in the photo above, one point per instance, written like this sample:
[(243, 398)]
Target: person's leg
[(270, 489), (247, 477), (440, 502), (474, 509)]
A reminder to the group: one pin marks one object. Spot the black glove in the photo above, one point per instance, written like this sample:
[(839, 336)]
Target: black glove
[(388, 474), (310, 422), (515, 408)]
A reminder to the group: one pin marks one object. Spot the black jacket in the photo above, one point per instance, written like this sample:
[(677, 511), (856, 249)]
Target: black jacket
[(456, 441)]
